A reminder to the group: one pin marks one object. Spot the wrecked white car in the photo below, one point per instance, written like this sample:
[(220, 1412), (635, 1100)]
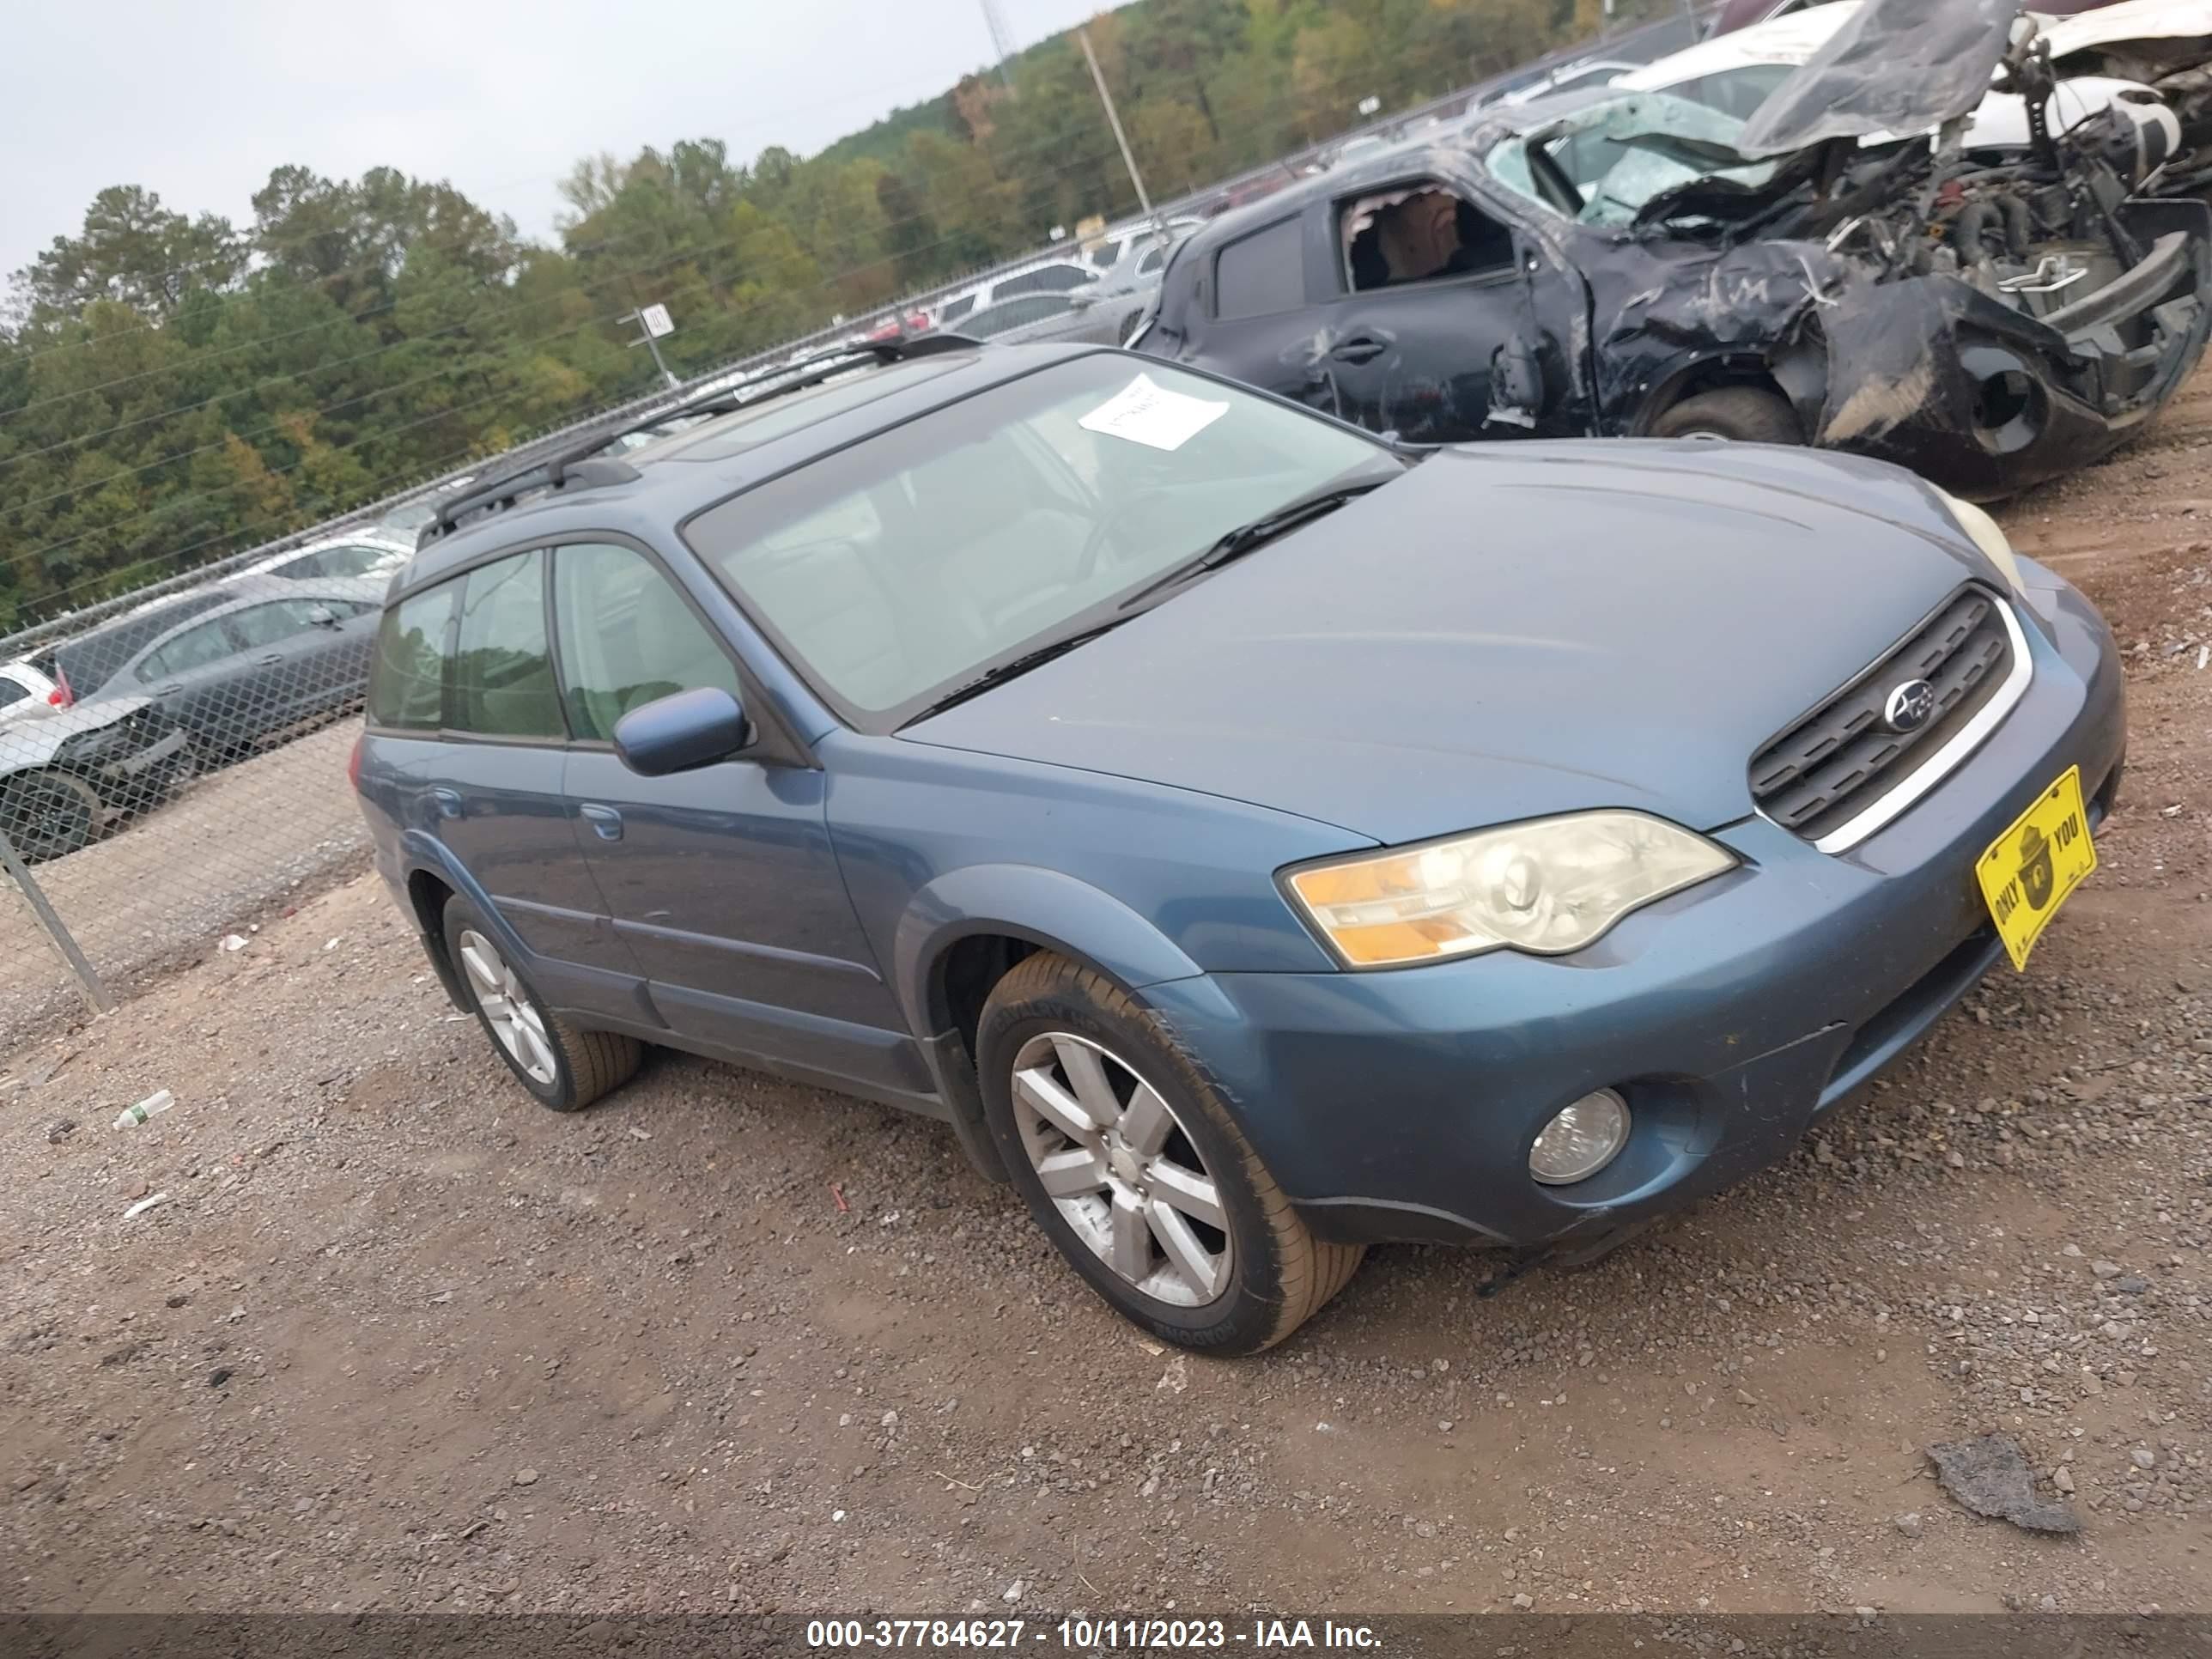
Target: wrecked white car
[(1624, 264)]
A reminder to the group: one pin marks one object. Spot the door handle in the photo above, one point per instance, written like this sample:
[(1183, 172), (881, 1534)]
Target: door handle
[(268, 661), (606, 822), (1360, 349), (448, 803), (170, 690)]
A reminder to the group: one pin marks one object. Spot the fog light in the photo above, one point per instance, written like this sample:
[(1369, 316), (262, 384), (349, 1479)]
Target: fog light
[(1581, 1141)]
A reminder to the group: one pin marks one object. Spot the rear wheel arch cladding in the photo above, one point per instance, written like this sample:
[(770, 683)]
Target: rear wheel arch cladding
[(427, 893)]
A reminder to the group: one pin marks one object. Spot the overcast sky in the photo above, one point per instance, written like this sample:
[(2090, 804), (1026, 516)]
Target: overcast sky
[(198, 102)]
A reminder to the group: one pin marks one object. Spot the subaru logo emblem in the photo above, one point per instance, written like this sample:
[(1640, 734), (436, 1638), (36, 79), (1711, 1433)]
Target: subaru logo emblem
[(1909, 706)]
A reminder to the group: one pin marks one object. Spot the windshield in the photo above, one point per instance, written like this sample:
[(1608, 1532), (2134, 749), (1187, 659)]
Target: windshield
[(896, 570), (1603, 164)]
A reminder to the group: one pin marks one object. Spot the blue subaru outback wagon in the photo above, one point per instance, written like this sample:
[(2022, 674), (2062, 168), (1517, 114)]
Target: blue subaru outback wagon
[(1255, 840)]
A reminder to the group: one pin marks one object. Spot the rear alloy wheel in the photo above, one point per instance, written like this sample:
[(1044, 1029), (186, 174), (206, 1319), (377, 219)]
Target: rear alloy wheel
[(1134, 1168), (49, 815), (566, 1068), (1744, 414)]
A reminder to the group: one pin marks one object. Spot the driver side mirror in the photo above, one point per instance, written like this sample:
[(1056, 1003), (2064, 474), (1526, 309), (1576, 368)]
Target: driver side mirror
[(683, 729), (321, 616)]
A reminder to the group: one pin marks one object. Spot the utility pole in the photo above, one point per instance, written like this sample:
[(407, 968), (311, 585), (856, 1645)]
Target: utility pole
[(1114, 120)]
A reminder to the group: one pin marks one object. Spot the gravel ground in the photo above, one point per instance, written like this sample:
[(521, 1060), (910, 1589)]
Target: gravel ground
[(398, 1338), (161, 890)]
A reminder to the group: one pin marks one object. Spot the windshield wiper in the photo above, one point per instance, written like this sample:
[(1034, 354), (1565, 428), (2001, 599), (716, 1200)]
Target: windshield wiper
[(1299, 509), (1017, 665), (1277, 521)]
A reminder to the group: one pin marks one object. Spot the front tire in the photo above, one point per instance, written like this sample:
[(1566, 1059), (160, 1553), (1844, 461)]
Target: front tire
[(1130, 1162), (566, 1068), (49, 815), (1745, 414)]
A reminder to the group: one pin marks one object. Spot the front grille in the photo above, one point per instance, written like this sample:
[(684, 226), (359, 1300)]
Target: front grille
[(1842, 757)]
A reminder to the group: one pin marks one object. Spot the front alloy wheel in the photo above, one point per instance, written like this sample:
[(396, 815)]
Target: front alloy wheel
[(1136, 1169), (1121, 1168)]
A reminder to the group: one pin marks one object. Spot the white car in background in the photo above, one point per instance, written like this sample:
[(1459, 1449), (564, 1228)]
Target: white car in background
[(1117, 247), (1048, 276), (25, 686), (2166, 43), (365, 553), (1735, 73)]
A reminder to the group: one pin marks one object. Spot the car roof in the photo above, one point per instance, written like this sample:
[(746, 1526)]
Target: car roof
[(371, 536), (663, 483), (1788, 39), (1423, 152)]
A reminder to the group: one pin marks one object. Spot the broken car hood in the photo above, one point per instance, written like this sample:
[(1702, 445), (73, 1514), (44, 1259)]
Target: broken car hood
[(1897, 66), (1509, 630)]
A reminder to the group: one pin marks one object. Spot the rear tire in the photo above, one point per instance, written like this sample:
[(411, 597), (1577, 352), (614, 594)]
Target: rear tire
[(564, 1066), (49, 815), (1141, 1150), (1744, 414)]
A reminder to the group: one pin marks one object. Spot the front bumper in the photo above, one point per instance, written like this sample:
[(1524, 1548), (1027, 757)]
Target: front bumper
[(1935, 375), (1403, 1104)]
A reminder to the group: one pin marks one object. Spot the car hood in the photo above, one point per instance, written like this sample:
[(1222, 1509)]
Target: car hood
[(1895, 66), (1509, 630)]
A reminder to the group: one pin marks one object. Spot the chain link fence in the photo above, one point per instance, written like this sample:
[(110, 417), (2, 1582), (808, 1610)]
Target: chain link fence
[(174, 763)]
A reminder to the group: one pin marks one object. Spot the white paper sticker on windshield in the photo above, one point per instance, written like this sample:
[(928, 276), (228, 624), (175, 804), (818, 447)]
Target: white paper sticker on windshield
[(1147, 414)]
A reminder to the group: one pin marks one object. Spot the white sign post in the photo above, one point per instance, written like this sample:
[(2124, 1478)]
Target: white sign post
[(655, 322)]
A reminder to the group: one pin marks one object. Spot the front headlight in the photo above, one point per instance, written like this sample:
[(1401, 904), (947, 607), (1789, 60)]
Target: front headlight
[(1982, 530), (1548, 886)]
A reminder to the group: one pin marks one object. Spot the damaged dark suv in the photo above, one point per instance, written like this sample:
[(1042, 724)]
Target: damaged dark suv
[(1627, 264)]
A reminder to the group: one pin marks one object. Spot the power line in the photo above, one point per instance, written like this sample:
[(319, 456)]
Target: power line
[(998, 160)]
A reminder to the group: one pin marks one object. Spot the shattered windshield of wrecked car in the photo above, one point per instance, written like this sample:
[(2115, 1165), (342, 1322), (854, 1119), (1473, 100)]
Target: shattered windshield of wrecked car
[(1603, 164)]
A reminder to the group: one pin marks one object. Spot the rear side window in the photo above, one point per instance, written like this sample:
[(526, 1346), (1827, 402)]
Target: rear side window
[(195, 647), (1049, 279), (1018, 313), (502, 670), (1258, 274), (627, 637), (955, 309), (12, 692), (406, 683)]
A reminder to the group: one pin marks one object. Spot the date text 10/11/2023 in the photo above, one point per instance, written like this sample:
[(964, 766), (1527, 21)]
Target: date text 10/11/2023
[(1109, 1634)]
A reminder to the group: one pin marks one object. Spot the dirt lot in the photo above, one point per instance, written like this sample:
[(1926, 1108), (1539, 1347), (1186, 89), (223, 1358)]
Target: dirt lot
[(162, 888), (398, 1339)]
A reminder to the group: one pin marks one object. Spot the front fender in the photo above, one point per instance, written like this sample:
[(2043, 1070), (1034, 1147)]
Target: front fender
[(1022, 900)]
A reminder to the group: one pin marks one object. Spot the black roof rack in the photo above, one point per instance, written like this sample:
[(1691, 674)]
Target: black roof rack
[(580, 462), (933, 344)]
